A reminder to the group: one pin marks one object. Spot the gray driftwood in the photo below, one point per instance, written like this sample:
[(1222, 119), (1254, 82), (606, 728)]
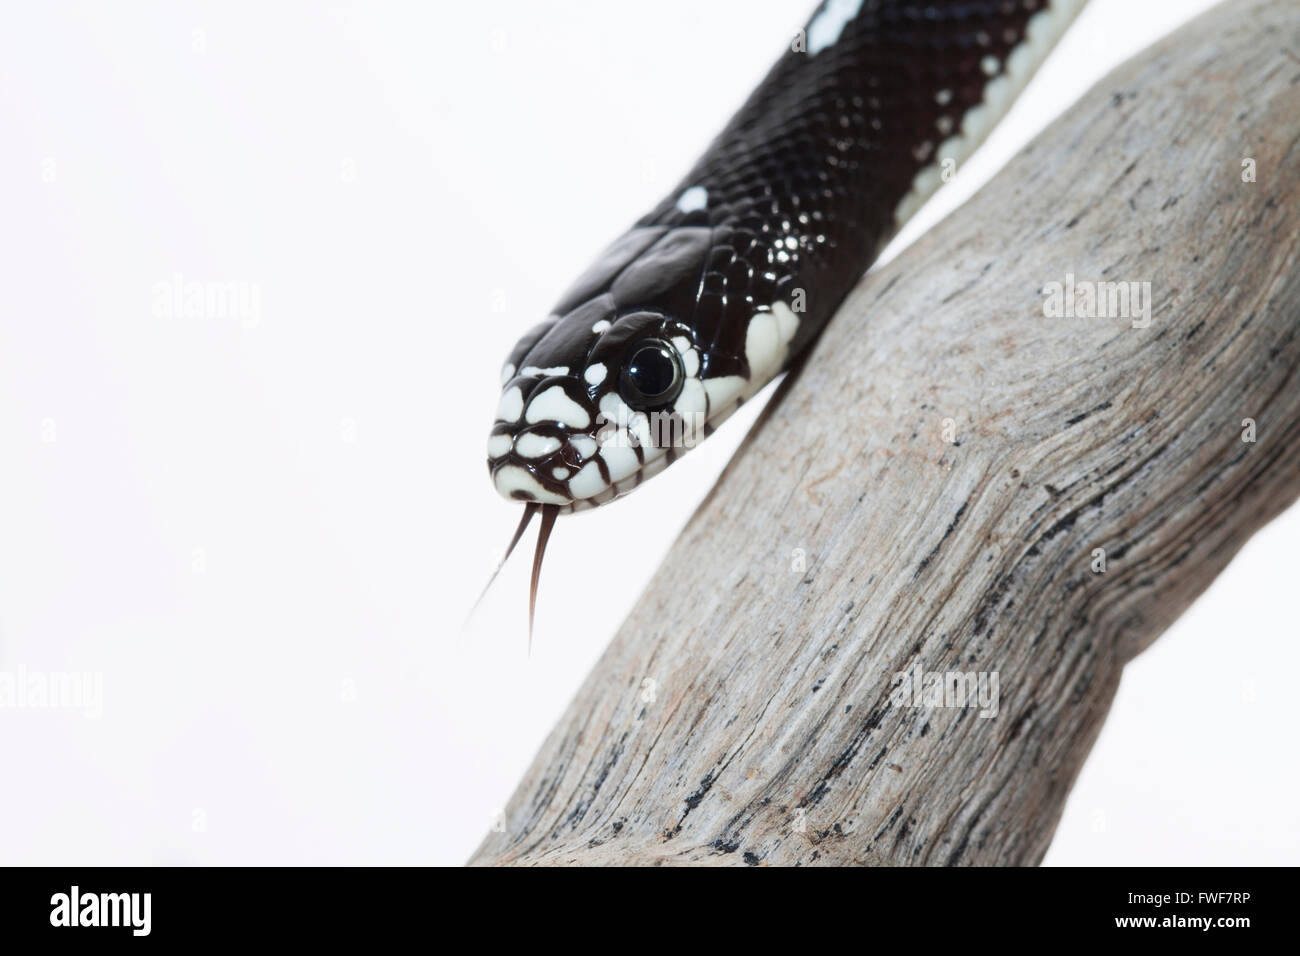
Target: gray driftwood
[(743, 713)]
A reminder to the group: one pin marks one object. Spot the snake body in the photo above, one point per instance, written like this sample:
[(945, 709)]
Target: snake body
[(730, 278)]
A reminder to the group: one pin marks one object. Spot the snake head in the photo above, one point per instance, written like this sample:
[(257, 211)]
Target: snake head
[(594, 403), (609, 390), (639, 363)]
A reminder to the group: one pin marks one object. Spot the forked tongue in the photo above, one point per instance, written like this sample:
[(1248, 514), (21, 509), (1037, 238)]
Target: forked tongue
[(530, 509), (549, 514)]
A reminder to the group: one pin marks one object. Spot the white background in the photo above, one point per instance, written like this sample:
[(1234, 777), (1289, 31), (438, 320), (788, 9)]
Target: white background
[(265, 532)]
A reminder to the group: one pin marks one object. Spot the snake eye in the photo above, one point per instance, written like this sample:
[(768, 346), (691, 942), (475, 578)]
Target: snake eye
[(652, 377)]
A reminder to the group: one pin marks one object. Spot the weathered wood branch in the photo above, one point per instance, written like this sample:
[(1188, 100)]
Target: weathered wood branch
[(947, 465)]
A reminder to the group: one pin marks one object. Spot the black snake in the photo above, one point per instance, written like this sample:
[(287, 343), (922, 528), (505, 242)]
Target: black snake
[(733, 274)]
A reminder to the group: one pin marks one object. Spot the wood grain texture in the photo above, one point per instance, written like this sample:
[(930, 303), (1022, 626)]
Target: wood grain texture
[(744, 713)]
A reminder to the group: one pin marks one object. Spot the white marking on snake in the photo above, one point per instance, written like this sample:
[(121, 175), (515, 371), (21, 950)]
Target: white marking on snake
[(767, 341), (595, 374), (511, 405), (587, 483), (600, 326), (691, 363), (529, 445), (620, 458), (584, 445), (690, 358), (724, 389), (555, 406), (532, 371), (512, 478), (507, 373), (613, 409), (1042, 31), (499, 445), (691, 401), (693, 199), (639, 427)]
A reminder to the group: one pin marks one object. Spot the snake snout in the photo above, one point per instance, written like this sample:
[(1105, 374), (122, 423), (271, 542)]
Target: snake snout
[(543, 435), (536, 467)]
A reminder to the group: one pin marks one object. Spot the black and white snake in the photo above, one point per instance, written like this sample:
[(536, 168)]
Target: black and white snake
[(728, 280)]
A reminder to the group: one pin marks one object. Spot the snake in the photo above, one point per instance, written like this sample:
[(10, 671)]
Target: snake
[(729, 279)]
